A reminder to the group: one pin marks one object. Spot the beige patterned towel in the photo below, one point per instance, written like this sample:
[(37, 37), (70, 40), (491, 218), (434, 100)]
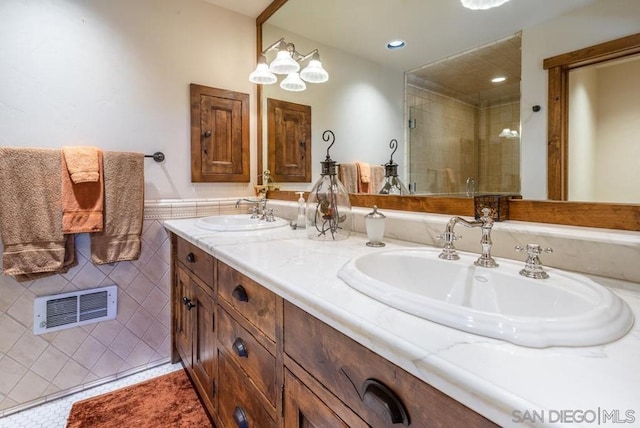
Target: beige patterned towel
[(31, 213), (123, 209)]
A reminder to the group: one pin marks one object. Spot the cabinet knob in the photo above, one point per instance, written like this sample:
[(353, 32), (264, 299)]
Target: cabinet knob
[(240, 294), (240, 417), (240, 348), (191, 258), (207, 134), (187, 302), (384, 402)]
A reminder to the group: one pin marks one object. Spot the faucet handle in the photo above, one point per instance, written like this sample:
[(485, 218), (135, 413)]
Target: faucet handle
[(443, 237), (533, 266), (254, 211), (269, 215)]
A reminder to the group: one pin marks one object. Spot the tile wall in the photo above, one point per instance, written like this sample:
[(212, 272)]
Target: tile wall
[(38, 368), (453, 140)]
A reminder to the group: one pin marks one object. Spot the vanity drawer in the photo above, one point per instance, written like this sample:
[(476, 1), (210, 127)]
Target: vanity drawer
[(249, 299), (236, 400), (196, 260), (366, 382), (241, 347)]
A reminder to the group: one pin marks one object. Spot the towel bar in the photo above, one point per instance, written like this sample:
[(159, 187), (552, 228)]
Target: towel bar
[(157, 156)]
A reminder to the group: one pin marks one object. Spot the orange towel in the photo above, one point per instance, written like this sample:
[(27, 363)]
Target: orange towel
[(82, 203), (83, 163), (364, 177)]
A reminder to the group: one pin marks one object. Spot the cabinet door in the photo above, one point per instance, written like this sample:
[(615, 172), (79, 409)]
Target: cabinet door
[(219, 135), (204, 345), (289, 141), (303, 409), (183, 296)]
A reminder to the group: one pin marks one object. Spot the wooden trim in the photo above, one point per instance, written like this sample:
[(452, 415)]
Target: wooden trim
[(266, 14), (602, 52), (584, 214)]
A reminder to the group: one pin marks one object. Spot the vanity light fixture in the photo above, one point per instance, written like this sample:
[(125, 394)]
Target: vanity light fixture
[(287, 61), (498, 79), (396, 44), (482, 4)]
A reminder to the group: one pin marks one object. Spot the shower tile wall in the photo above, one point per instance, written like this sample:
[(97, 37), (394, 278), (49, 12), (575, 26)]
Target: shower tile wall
[(499, 157), (453, 140), (443, 149)]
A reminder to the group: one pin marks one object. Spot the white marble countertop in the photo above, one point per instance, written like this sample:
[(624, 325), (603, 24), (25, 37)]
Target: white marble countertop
[(509, 384)]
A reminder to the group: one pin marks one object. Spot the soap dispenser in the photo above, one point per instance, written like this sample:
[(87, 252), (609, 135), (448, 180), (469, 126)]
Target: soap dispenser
[(374, 223), (301, 218)]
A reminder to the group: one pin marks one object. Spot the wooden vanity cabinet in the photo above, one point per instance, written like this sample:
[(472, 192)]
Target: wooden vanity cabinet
[(194, 337), (259, 361), (250, 372), (378, 391)]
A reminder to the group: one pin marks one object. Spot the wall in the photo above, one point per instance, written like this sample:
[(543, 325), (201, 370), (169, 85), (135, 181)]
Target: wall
[(114, 74), (617, 174), (583, 102), (598, 22), (362, 103)]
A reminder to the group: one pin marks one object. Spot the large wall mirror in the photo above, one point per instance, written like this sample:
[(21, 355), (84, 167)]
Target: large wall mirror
[(368, 100)]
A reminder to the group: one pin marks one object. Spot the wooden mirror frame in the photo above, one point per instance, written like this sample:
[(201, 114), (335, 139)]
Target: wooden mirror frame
[(588, 214)]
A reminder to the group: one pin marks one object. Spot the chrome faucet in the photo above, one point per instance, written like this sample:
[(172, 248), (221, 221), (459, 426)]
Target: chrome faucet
[(486, 223), (259, 210)]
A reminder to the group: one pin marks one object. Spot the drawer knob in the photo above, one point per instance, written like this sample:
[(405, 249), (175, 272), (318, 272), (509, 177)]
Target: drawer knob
[(384, 402), (240, 294), (191, 258), (240, 348), (240, 417), (187, 302)]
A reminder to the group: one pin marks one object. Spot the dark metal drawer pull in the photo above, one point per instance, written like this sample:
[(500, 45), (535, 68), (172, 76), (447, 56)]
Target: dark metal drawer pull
[(240, 417), (384, 402), (187, 302), (191, 258), (239, 348), (240, 294)]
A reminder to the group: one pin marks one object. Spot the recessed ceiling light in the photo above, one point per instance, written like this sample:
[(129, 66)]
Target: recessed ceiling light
[(395, 44), (498, 79)]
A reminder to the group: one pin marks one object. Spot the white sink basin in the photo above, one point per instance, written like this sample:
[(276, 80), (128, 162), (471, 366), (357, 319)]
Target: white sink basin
[(564, 310), (238, 223)]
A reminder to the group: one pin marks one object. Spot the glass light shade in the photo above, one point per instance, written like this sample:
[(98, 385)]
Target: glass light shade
[(284, 63), (482, 4), (328, 212), (293, 83), (262, 76), (314, 73)]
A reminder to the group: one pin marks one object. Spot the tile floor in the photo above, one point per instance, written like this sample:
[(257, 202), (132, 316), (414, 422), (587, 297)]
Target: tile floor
[(54, 414)]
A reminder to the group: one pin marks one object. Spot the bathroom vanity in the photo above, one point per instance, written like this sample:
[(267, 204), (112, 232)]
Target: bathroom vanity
[(272, 337)]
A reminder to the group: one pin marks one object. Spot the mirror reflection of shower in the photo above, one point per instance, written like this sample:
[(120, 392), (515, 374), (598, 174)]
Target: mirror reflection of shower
[(458, 117)]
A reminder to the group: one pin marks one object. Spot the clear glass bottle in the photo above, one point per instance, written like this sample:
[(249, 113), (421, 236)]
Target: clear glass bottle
[(392, 185), (328, 212)]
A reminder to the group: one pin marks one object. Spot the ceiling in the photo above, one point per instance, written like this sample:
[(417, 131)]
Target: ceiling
[(251, 8), (432, 29)]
